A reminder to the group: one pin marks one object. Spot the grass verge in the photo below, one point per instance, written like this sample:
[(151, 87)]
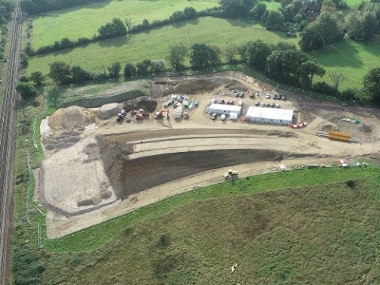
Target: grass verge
[(322, 234)]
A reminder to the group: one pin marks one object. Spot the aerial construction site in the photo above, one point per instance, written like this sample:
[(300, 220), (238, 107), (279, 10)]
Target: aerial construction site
[(121, 156)]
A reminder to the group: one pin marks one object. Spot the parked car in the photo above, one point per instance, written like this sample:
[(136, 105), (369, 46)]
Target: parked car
[(267, 105), (213, 116), (273, 105), (230, 102), (221, 101), (283, 97), (268, 96), (168, 103), (257, 104), (241, 95), (275, 97), (223, 117), (277, 105)]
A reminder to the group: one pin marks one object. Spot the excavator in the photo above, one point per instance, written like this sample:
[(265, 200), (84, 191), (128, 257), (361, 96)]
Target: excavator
[(161, 114)]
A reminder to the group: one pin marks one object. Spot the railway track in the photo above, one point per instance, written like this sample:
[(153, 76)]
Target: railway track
[(8, 122)]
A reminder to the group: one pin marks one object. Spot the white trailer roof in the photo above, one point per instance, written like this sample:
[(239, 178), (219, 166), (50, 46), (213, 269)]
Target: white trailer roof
[(225, 107), (270, 113)]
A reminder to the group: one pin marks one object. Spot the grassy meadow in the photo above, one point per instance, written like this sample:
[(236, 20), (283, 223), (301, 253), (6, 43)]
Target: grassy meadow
[(84, 21), (322, 234), (154, 44), (353, 58)]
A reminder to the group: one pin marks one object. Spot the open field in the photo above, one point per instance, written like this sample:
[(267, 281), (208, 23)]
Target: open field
[(272, 5), (154, 44), (323, 234), (353, 58), (84, 21)]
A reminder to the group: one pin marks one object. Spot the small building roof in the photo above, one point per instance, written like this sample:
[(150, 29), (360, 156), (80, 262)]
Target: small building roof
[(225, 107), (270, 113)]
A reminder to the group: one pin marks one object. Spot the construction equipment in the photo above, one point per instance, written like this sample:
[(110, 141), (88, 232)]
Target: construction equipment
[(139, 114), (231, 174), (120, 116), (161, 114)]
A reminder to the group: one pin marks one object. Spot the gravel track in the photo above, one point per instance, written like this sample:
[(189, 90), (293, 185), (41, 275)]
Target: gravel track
[(8, 121)]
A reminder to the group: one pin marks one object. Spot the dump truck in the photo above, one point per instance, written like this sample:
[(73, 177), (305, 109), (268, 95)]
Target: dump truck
[(231, 174)]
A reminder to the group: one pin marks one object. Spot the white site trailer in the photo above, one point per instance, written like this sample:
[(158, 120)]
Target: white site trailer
[(225, 109), (269, 115)]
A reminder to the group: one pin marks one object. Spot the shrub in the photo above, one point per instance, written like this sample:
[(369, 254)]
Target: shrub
[(157, 66), (177, 16), (350, 183), (26, 90), (129, 70)]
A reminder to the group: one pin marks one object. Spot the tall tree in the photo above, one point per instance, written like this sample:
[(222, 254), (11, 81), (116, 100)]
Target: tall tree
[(274, 20), (236, 8), (325, 30), (371, 82), (259, 10), (231, 52), (37, 77), (337, 77), (177, 55), (258, 52), (129, 70), (26, 90), (113, 29), (362, 25), (202, 55), (306, 72), (114, 69), (283, 65), (60, 71), (79, 75)]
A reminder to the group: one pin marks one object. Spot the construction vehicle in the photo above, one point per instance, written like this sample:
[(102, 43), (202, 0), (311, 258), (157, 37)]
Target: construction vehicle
[(231, 174), (139, 114), (161, 114), (120, 116)]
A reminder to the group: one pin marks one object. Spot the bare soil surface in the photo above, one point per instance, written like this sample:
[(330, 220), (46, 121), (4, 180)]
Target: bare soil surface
[(111, 168)]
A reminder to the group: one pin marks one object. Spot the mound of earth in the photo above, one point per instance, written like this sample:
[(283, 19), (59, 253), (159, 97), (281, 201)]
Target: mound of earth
[(199, 84), (109, 110), (140, 103), (71, 117)]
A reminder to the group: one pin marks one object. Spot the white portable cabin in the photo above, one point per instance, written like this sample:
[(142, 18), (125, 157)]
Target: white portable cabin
[(225, 109), (269, 115)]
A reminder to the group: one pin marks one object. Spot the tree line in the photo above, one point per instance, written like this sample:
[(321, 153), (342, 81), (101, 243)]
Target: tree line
[(282, 62)]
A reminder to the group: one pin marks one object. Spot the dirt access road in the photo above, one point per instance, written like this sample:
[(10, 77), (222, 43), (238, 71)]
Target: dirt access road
[(118, 168)]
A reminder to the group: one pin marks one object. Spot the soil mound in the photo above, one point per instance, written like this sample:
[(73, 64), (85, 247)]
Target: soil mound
[(71, 117), (109, 110), (194, 86), (140, 103)]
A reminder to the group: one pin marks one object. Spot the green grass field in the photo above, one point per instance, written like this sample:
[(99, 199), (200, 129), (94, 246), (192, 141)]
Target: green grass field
[(84, 21), (272, 5), (353, 58), (323, 234), (154, 44)]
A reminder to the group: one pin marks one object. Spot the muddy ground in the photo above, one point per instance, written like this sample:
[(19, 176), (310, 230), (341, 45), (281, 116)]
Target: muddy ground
[(111, 168)]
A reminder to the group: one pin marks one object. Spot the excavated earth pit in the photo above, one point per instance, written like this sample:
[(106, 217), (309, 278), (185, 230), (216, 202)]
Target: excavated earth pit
[(133, 168)]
